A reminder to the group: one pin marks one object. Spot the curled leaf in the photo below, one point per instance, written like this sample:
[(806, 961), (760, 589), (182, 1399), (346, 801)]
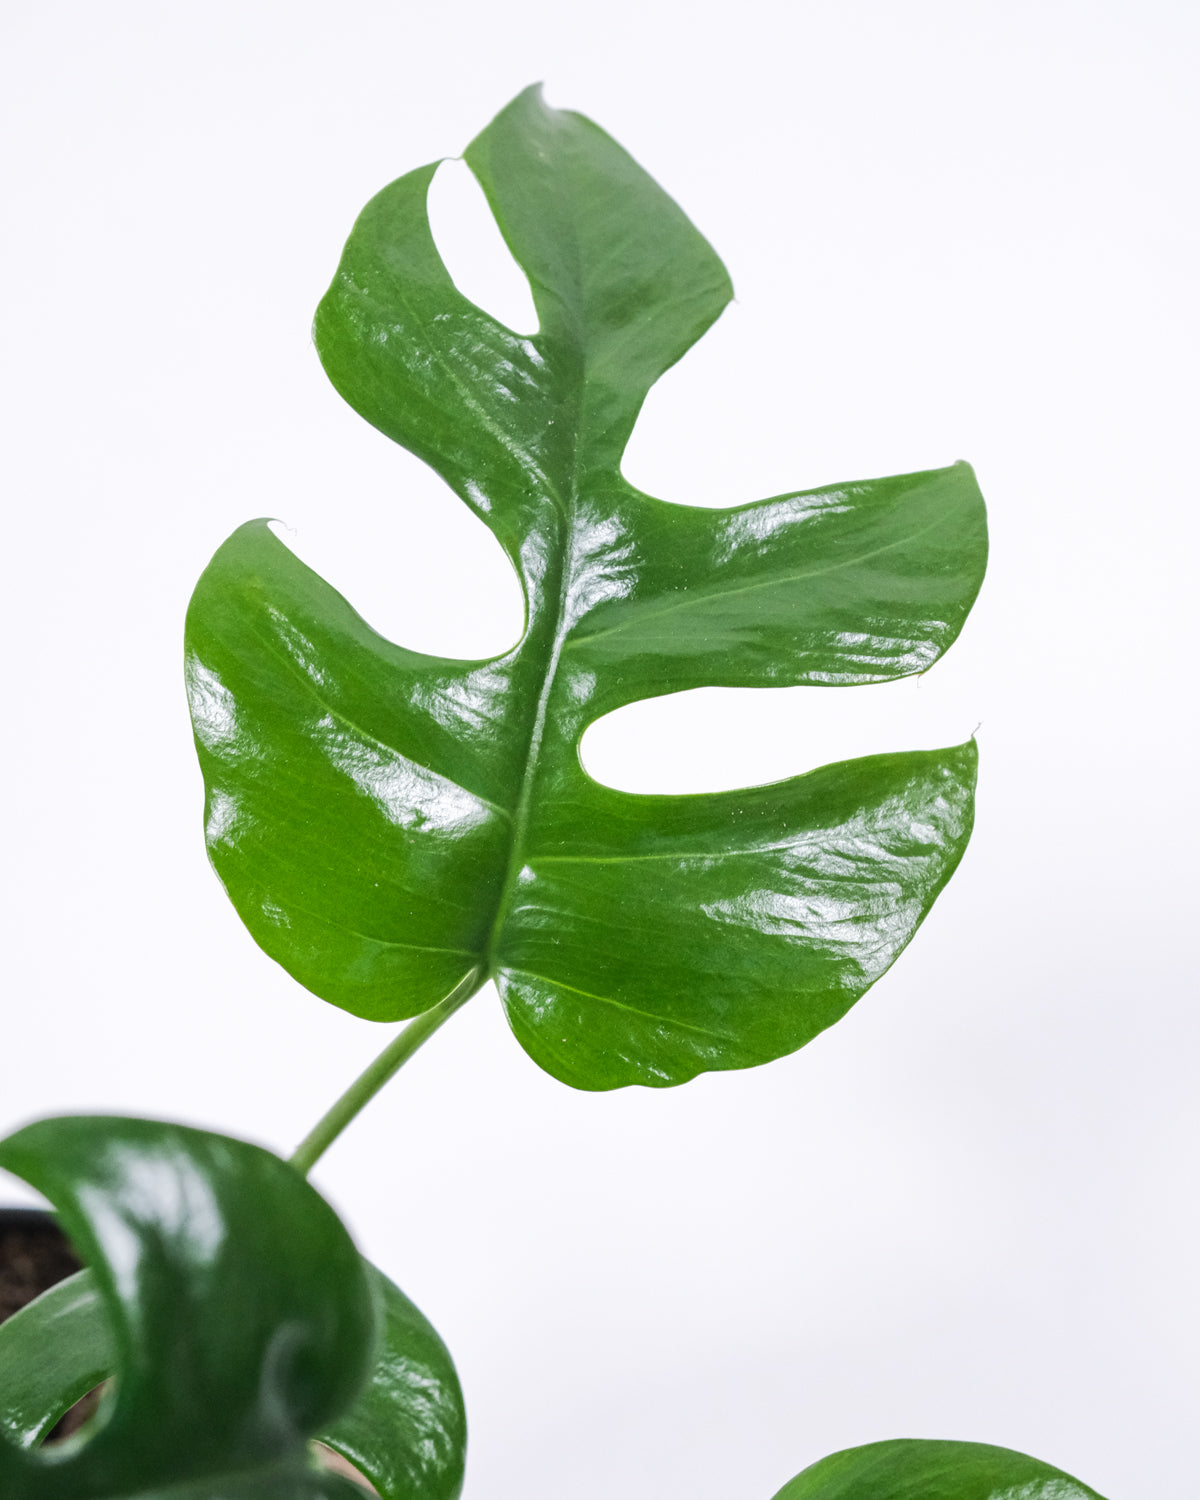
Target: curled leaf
[(240, 1316), (407, 1431)]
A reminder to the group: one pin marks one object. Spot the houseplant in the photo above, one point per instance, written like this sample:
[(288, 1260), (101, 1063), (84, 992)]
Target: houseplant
[(397, 829)]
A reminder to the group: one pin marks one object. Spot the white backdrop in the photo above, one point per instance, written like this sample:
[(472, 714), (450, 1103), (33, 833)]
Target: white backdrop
[(956, 230)]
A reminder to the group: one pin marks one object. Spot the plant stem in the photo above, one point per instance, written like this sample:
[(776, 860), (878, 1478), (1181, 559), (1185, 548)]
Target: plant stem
[(386, 1065)]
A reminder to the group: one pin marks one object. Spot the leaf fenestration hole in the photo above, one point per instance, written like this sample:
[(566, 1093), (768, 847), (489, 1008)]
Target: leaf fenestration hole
[(721, 739), (398, 554), (80, 1415), (470, 243)]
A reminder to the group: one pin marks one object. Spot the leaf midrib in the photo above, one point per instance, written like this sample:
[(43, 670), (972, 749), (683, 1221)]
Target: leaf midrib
[(569, 514), (521, 811)]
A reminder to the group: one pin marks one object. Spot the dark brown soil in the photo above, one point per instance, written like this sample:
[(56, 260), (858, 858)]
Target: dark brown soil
[(34, 1256)]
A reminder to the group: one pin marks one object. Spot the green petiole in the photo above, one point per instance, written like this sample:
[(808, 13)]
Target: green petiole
[(385, 1066)]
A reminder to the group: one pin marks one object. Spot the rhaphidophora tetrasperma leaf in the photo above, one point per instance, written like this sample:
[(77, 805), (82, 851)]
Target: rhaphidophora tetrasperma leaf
[(232, 1343), (392, 825), (912, 1469), (222, 1284)]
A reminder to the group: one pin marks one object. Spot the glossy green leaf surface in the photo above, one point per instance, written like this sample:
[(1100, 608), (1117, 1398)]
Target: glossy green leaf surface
[(52, 1352), (241, 1317), (390, 824), (912, 1469), (407, 1429)]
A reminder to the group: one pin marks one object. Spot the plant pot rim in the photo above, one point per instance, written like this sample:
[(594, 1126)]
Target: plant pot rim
[(28, 1218)]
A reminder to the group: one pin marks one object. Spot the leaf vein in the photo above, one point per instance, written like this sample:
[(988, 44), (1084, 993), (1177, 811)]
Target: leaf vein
[(706, 595), (633, 1010), (633, 859), (335, 713), (370, 937)]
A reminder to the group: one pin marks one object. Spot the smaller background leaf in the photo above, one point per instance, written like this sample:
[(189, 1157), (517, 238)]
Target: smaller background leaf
[(916, 1469)]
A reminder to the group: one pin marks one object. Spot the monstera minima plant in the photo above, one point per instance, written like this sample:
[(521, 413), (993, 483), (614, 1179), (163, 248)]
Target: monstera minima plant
[(400, 830)]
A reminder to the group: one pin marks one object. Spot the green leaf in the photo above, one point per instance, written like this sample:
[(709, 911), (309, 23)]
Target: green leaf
[(407, 1431), (234, 1340), (911, 1469), (52, 1352), (391, 825)]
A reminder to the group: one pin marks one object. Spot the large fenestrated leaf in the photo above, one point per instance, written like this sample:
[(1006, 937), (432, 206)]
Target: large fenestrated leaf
[(392, 825), (916, 1469), (405, 1429), (241, 1316)]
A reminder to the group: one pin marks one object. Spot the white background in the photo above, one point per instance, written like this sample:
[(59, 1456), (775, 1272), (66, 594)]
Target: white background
[(956, 230)]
